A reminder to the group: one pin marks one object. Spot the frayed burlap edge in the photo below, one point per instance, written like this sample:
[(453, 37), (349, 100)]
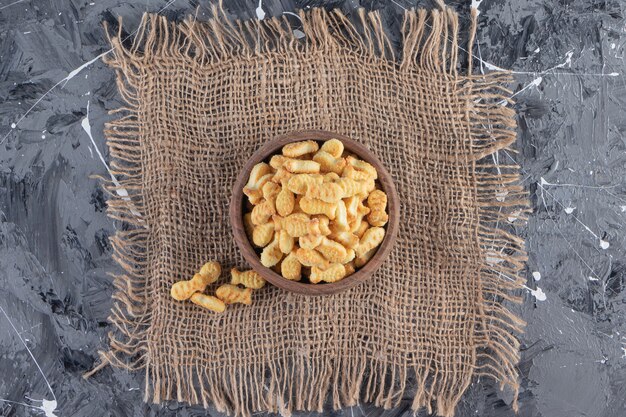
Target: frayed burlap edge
[(430, 44)]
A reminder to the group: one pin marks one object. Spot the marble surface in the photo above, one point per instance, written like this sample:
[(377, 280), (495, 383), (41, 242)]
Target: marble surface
[(55, 295)]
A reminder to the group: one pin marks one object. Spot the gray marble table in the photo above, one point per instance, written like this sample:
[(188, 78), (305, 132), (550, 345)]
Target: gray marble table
[(55, 296)]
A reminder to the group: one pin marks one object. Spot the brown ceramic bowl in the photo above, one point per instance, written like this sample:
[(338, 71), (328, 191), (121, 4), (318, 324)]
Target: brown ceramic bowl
[(238, 200)]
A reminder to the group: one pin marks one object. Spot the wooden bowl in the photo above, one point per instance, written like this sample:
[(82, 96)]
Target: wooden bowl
[(237, 204)]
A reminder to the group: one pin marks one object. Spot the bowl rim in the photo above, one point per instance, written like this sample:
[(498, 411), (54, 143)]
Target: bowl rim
[(246, 248)]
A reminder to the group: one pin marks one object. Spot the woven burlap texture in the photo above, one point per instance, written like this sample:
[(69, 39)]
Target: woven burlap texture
[(201, 97)]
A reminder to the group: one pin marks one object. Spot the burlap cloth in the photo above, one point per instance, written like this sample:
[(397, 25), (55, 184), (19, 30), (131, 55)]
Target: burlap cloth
[(201, 97)]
